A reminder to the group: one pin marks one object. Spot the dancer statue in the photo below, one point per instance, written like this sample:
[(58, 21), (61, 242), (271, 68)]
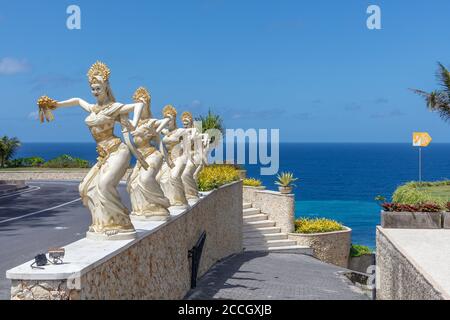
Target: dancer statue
[(176, 142), (147, 198), (98, 190), (195, 160)]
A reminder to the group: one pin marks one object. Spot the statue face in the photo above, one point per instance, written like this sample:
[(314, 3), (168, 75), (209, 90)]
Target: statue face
[(98, 90), (186, 123)]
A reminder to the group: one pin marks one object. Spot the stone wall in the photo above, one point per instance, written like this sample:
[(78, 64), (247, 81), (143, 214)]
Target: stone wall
[(154, 266), (330, 247), (249, 193), (279, 207), (397, 277)]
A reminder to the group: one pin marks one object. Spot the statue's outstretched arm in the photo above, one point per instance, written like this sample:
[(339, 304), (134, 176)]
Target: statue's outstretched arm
[(74, 102)]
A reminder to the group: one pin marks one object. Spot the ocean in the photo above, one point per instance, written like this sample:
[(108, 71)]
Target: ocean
[(337, 181)]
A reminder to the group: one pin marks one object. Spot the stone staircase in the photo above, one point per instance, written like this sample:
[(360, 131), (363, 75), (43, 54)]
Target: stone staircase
[(262, 234)]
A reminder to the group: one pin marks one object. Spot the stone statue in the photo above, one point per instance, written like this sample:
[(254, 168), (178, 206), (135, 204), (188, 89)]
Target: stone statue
[(194, 160), (147, 198), (98, 190), (176, 144)]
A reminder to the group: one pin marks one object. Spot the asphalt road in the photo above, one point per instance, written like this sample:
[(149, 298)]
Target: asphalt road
[(48, 214)]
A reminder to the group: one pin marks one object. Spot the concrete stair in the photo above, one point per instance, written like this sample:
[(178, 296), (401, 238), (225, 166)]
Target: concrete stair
[(262, 234)]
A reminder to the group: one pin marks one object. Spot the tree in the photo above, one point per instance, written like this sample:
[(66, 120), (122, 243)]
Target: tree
[(439, 100), (211, 121), (8, 147)]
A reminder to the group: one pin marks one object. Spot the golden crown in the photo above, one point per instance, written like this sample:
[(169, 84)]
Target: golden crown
[(98, 69), (141, 93), (187, 115), (169, 110)]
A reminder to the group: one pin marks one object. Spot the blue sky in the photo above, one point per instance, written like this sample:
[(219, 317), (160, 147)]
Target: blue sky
[(310, 68)]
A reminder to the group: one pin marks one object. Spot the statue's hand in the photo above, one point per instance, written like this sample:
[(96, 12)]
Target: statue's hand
[(45, 105)]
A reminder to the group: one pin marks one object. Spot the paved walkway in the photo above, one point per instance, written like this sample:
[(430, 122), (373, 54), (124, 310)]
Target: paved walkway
[(277, 276)]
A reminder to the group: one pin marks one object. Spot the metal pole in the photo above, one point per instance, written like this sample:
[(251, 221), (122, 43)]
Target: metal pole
[(420, 164)]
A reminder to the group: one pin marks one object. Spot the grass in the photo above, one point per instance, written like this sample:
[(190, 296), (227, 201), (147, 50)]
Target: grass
[(415, 193), (439, 192)]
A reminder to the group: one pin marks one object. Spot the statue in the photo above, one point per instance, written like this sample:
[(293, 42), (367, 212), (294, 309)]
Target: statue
[(194, 161), (98, 190), (147, 198), (176, 142)]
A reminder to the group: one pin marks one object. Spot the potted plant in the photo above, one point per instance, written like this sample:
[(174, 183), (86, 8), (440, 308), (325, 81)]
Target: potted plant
[(329, 239), (413, 206), (285, 182)]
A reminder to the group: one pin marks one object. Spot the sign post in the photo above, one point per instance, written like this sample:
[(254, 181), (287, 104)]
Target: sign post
[(421, 139)]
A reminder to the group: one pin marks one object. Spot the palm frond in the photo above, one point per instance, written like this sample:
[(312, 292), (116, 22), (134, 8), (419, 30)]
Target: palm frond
[(443, 76)]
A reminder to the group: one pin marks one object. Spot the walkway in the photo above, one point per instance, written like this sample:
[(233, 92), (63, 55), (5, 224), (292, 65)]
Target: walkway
[(277, 276)]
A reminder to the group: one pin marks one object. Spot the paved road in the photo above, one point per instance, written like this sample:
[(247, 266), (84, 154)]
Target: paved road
[(274, 276), (48, 214)]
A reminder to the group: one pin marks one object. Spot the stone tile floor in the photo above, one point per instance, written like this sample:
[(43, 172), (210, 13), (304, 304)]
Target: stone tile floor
[(274, 276)]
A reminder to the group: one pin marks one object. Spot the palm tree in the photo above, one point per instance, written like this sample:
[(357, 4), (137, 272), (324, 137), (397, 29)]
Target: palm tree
[(439, 100), (211, 121), (8, 147)]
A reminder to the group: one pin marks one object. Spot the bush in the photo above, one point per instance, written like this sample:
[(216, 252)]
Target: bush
[(252, 182), (411, 194), (357, 250), (66, 161), (214, 176), (25, 162), (318, 225)]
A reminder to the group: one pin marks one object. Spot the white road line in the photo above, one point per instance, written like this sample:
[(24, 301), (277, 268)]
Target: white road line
[(34, 188), (40, 211)]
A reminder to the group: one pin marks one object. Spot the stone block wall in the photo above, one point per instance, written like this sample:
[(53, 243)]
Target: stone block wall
[(155, 266), (397, 277)]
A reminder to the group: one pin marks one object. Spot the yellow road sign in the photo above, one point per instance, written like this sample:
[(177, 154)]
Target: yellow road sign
[(421, 139)]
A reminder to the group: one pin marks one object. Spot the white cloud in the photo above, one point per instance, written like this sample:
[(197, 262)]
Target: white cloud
[(33, 115), (10, 66)]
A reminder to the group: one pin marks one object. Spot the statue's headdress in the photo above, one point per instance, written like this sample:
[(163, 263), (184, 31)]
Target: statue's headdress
[(98, 72), (187, 115), (140, 93), (169, 110)]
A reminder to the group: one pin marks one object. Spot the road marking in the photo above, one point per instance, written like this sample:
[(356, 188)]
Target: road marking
[(34, 188), (40, 211)]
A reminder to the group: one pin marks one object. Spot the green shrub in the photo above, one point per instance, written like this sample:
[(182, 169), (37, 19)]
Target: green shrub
[(216, 175), (317, 225), (357, 250), (25, 162), (411, 193), (252, 182), (66, 161)]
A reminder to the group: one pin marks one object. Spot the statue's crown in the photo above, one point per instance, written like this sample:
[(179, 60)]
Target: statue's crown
[(187, 115), (98, 69), (169, 110), (140, 93)]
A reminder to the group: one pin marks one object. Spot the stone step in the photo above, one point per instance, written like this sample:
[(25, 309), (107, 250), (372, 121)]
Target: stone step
[(284, 249), (269, 243), (265, 237), (246, 205), (277, 242), (261, 231), (249, 226), (250, 211), (255, 217)]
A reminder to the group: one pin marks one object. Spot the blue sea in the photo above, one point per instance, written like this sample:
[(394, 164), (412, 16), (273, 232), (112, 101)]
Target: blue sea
[(338, 181)]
